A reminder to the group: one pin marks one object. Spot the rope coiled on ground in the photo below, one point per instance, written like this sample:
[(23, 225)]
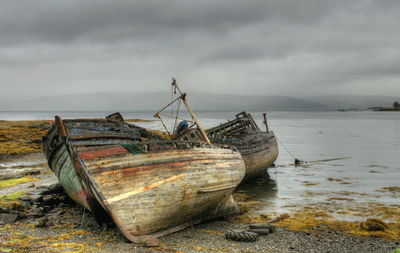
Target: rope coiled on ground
[(241, 236)]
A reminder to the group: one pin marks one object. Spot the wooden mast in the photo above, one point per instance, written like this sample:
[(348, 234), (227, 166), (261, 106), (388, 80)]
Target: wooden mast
[(183, 96)]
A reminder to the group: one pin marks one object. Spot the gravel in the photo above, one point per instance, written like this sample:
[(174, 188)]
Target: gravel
[(205, 237)]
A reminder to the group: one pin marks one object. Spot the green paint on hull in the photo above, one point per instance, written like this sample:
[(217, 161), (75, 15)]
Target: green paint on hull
[(66, 173)]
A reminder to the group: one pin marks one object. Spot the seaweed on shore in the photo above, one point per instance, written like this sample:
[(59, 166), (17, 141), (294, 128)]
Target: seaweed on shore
[(21, 137)]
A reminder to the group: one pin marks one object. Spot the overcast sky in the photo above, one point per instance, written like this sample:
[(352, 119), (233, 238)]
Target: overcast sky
[(294, 48)]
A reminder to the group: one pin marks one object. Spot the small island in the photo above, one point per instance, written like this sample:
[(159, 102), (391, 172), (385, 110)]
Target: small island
[(395, 107)]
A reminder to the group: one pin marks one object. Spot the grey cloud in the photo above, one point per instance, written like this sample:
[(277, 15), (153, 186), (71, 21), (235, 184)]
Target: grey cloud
[(275, 47), (47, 21)]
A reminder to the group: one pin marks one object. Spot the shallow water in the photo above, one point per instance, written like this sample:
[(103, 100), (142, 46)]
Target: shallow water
[(370, 142)]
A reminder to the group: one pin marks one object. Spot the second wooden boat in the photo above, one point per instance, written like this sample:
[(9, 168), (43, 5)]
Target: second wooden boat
[(259, 149), (149, 186)]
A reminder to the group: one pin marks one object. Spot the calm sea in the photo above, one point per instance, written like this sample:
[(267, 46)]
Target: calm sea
[(364, 148)]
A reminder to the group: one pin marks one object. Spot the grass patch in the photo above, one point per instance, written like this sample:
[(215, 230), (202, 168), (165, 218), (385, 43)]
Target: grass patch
[(15, 181), (12, 196), (11, 201)]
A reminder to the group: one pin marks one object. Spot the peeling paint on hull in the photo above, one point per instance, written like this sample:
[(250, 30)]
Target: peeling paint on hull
[(259, 149), (259, 156), (172, 185)]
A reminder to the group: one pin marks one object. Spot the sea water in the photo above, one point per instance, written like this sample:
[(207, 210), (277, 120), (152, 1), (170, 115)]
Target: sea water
[(354, 154)]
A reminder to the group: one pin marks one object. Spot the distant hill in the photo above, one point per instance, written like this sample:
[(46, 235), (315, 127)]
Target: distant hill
[(354, 102), (156, 100), (114, 101)]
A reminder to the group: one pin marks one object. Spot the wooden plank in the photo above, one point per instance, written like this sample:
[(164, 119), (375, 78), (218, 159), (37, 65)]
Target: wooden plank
[(89, 155), (173, 185)]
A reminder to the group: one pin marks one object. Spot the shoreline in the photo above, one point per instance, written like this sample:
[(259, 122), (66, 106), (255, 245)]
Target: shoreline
[(73, 228), (306, 229)]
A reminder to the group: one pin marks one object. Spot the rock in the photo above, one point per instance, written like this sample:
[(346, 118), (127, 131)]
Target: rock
[(21, 215), (49, 200), (65, 199), (373, 225), (56, 188), (32, 172), (62, 205), (46, 209), (50, 223), (40, 190), (4, 210), (8, 218), (280, 218), (26, 204), (41, 222), (36, 198), (36, 212), (24, 198), (17, 206)]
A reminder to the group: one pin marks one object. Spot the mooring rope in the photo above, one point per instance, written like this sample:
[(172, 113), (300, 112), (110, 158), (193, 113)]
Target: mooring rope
[(287, 150), (299, 162)]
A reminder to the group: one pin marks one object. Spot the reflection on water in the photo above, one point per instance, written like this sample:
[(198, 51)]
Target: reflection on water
[(262, 189)]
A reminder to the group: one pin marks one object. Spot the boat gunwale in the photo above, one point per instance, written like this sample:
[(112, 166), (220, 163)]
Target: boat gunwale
[(95, 196)]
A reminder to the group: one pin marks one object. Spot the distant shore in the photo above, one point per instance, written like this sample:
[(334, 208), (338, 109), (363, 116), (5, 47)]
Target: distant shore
[(375, 109), (384, 109)]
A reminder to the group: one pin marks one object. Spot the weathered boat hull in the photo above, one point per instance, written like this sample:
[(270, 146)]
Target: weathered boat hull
[(147, 194), (152, 192), (259, 149)]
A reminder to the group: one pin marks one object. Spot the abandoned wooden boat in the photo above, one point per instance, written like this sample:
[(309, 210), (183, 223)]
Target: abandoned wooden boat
[(259, 149), (149, 186)]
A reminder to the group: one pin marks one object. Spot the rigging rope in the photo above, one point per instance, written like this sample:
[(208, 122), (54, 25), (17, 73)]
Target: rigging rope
[(172, 106)]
